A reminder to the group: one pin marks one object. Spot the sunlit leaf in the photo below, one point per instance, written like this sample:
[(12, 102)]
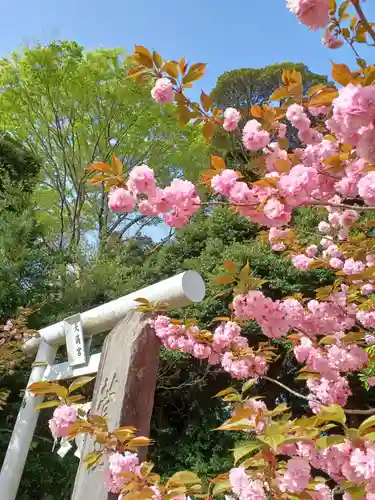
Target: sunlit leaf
[(139, 441), (369, 422), (92, 458), (158, 60), (171, 67), (341, 73), (221, 487), (208, 131), (240, 451), (278, 94), (332, 412), (48, 404), (40, 388), (223, 280), (79, 382), (184, 477), (196, 71), (326, 441)]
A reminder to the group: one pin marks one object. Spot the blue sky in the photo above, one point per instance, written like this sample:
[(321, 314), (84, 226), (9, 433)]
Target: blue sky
[(225, 34)]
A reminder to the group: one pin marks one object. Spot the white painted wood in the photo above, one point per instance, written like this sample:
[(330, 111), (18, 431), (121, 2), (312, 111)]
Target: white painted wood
[(75, 345), (24, 428), (63, 371), (178, 291)]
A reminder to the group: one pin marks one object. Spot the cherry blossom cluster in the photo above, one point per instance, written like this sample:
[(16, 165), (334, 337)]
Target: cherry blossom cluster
[(244, 487), (119, 463), (304, 183), (225, 346), (278, 317), (294, 479), (331, 317), (63, 417), (176, 203), (121, 467), (342, 462), (330, 387)]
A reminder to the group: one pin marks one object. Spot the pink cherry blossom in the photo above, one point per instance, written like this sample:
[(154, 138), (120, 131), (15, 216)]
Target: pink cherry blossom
[(348, 217), (296, 186), (311, 250), (296, 477), (121, 200), (223, 183), (336, 263), (301, 261), (63, 417), (366, 188), (352, 266), (162, 92), (352, 109), (142, 180), (319, 110), (119, 463), (298, 117), (312, 13), (274, 209), (324, 227), (245, 487), (282, 130), (365, 146), (254, 137), (331, 41), (310, 136), (231, 119)]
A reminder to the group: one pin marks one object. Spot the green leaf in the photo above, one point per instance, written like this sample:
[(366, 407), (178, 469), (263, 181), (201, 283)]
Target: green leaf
[(357, 492), (221, 487), (224, 392), (79, 382), (327, 441), (369, 422), (249, 383), (92, 458), (48, 404), (243, 450), (184, 477), (332, 412)]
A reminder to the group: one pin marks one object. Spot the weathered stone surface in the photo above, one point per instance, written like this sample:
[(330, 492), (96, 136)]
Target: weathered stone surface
[(124, 392)]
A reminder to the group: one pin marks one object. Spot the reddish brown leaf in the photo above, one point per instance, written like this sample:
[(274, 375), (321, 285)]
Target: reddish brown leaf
[(206, 101), (171, 67)]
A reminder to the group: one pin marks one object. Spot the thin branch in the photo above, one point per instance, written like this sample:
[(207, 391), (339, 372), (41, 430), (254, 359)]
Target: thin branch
[(363, 18), (370, 411)]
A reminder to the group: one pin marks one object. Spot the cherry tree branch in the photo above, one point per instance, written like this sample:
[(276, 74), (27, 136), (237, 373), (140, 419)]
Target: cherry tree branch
[(370, 411), (363, 18), (312, 203)]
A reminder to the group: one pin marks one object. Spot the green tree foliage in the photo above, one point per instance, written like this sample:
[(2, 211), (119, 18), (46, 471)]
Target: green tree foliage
[(71, 107), (18, 167), (241, 89)]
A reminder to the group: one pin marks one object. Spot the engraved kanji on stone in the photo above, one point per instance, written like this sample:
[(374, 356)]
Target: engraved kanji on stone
[(78, 340), (79, 351)]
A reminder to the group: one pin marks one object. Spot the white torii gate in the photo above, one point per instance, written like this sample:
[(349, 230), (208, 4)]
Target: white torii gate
[(76, 331)]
